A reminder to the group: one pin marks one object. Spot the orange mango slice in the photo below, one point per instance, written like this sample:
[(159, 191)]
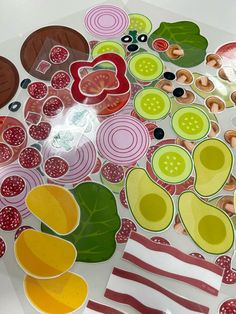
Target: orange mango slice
[(55, 207), (42, 255), (60, 295)]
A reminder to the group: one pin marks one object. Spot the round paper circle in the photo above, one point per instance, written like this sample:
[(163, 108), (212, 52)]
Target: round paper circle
[(106, 21), (81, 160), (122, 140)]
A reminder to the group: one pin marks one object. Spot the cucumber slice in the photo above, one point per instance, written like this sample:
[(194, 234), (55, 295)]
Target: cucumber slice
[(145, 66), (140, 23), (105, 47), (172, 164), (190, 123), (152, 104)]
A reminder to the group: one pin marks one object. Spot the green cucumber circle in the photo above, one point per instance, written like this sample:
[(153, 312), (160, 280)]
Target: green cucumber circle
[(172, 164), (152, 104), (190, 123), (145, 66), (140, 23), (106, 47)]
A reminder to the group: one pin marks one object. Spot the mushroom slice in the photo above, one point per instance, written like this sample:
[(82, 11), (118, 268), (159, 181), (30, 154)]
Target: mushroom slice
[(184, 76), (227, 74), (230, 137), (230, 184), (233, 97), (214, 61), (204, 84), (174, 52), (187, 98), (215, 129), (165, 85), (185, 144), (226, 203), (215, 104)]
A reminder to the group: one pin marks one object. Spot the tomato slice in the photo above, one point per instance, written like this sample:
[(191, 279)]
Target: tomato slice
[(6, 123), (112, 104), (95, 82)]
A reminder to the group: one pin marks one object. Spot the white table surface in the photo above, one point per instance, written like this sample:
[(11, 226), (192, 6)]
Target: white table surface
[(21, 16)]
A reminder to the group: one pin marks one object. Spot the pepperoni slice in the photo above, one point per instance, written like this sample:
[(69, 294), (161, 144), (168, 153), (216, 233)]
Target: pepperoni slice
[(97, 166), (60, 80), (14, 136), (12, 186), (10, 218), (5, 153), (123, 198), (21, 229), (40, 132), (3, 247), (52, 107), (197, 255), (37, 90), (30, 158), (58, 54), (127, 226), (160, 240), (56, 167)]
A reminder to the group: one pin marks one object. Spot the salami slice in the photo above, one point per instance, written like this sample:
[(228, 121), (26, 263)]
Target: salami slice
[(228, 307), (123, 234), (197, 255), (123, 198), (37, 90), (60, 80), (5, 153), (10, 218), (12, 186), (21, 229), (52, 106), (14, 136), (3, 247), (58, 54), (160, 240), (40, 132), (30, 158), (56, 167)]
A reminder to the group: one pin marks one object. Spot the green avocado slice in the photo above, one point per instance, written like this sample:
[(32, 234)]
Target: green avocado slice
[(209, 227), (213, 161), (151, 205)]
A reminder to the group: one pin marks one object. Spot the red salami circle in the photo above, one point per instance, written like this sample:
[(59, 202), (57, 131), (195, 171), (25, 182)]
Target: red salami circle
[(52, 106), (21, 229), (10, 218), (127, 226), (160, 240), (197, 255), (3, 247), (97, 166), (14, 136), (40, 131), (229, 276), (60, 80), (12, 186), (37, 90), (58, 54), (228, 307), (56, 167), (123, 198), (160, 44), (30, 158), (5, 153)]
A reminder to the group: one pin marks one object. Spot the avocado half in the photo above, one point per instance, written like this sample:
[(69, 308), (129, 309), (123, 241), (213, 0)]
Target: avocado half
[(208, 226), (151, 206), (213, 162)]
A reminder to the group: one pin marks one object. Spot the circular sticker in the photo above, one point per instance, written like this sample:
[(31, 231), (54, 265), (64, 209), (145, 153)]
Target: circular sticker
[(81, 160), (106, 20), (122, 140)]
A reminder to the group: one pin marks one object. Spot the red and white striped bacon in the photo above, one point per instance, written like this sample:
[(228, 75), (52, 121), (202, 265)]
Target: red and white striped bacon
[(170, 262), (146, 296)]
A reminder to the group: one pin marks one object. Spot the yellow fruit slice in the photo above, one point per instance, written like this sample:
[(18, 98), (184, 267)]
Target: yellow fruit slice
[(55, 207), (60, 295), (42, 255)]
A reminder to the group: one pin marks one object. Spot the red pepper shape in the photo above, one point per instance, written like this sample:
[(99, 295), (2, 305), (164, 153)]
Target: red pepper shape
[(120, 68)]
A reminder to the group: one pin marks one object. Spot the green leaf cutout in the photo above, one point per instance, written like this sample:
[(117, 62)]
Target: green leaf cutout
[(94, 238), (185, 34)]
